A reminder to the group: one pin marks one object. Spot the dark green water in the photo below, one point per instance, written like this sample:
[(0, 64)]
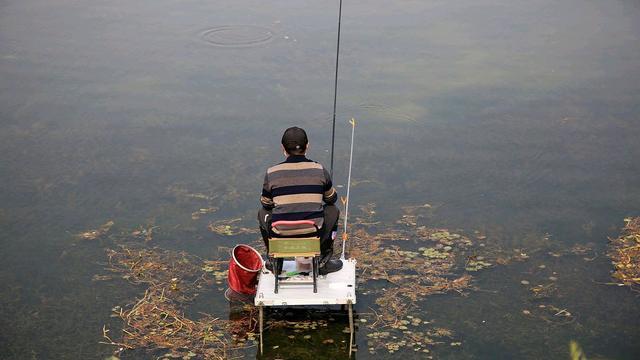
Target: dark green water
[(517, 118)]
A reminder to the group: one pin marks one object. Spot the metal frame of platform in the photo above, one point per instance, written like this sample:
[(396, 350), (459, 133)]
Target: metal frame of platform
[(337, 288)]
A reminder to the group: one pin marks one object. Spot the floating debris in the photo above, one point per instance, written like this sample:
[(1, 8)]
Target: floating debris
[(430, 261), (412, 214), (433, 253), (197, 214), (157, 322), (585, 250), (145, 233), (415, 340), (101, 278), (625, 254), (544, 291), (178, 272), (409, 220), (368, 214), (186, 194), (477, 263), (213, 267), (94, 234), (227, 228), (409, 275), (551, 314)]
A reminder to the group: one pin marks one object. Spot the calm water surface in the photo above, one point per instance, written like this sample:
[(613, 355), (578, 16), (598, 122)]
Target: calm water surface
[(516, 118)]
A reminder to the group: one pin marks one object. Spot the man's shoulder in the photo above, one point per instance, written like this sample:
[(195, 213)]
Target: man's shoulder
[(300, 165)]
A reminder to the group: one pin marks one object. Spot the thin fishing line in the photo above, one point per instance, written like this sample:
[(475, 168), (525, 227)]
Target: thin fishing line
[(335, 88)]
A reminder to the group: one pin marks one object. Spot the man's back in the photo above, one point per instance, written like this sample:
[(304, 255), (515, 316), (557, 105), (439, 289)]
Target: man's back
[(300, 189), (296, 190)]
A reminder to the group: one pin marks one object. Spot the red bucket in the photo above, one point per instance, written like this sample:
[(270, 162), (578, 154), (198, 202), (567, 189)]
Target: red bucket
[(244, 267)]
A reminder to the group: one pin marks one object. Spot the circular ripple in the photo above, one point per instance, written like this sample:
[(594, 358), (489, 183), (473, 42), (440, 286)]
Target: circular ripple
[(237, 35)]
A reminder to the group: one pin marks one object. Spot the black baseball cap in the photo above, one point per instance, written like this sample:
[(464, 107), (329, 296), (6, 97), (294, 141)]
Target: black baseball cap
[(294, 138)]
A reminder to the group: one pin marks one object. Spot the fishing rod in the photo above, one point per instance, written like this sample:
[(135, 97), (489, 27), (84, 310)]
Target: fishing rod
[(345, 200), (335, 88)]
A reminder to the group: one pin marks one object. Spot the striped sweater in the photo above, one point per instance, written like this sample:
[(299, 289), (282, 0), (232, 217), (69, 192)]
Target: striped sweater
[(296, 190)]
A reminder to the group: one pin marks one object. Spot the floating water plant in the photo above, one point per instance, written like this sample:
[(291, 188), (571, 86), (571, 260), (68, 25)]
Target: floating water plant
[(544, 291), (94, 234), (145, 233), (397, 277), (433, 253), (157, 320), (228, 228), (625, 254), (159, 268), (477, 264), (203, 211)]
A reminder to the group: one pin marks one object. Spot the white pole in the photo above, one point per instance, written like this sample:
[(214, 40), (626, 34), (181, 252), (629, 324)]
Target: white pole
[(346, 200)]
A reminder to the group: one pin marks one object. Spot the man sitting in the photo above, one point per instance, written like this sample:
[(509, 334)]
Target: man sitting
[(301, 189)]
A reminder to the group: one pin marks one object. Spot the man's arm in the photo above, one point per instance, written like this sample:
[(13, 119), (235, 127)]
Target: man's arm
[(330, 194), (266, 199)]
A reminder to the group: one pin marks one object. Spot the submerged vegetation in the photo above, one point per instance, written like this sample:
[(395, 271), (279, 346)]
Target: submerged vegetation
[(625, 254), (400, 265), (157, 321)]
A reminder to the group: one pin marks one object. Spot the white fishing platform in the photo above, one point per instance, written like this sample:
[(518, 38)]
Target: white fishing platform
[(337, 288), (295, 289)]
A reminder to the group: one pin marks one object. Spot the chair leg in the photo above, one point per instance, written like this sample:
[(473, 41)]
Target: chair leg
[(260, 320), (351, 329), (276, 273), (315, 274)]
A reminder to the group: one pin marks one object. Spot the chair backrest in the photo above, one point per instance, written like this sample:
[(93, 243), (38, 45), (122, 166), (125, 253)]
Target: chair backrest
[(284, 228)]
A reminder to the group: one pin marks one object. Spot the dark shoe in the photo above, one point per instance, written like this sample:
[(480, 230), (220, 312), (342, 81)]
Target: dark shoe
[(269, 265), (330, 266)]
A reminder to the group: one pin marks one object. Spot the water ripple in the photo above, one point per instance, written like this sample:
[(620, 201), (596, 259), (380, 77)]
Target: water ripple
[(237, 35)]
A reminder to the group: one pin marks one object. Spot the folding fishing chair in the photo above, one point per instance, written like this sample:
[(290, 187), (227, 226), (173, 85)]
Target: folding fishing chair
[(300, 238)]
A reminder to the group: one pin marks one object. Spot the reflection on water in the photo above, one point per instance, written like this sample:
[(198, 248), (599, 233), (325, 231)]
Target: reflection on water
[(516, 120)]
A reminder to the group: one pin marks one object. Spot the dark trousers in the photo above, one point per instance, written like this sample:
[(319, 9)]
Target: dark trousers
[(331, 216)]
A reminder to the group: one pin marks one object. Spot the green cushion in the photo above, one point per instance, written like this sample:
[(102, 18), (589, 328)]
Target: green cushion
[(294, 245)]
